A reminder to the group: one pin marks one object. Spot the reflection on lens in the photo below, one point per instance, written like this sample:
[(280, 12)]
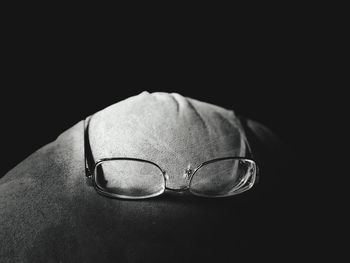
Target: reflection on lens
[(129, 178), (224, 178)]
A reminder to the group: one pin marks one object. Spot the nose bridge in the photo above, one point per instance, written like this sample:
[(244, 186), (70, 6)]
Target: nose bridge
[(177, 182)]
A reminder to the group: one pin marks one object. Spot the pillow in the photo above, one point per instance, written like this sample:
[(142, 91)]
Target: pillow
[(49, 213)]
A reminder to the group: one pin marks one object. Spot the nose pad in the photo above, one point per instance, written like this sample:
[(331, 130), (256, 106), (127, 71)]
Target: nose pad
[(179, 182), (166, 176), (187, 174)]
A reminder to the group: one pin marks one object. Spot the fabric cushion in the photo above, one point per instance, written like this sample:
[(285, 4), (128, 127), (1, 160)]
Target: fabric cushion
[(49, 213)]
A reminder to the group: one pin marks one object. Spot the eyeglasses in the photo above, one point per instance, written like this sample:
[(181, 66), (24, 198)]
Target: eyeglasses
[(133, 178)]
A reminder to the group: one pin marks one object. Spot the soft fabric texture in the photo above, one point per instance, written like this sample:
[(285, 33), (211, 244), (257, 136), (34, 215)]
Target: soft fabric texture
[(49, 213), (173, 131)]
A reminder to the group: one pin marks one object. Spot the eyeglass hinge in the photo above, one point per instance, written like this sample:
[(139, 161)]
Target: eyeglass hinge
[(88, 173)]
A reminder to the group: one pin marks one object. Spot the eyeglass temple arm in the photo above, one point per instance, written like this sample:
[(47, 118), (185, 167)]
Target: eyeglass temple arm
[(248, 136), (87, 149)]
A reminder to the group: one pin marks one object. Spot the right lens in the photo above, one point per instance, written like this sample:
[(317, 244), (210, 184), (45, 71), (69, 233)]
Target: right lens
[(129, 178), (224, 177)]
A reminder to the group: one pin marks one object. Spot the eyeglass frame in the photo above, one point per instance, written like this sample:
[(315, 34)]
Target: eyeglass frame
[(91, 173)]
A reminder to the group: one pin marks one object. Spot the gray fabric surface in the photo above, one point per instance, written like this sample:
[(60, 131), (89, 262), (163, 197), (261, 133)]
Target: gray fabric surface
[(168, 129), (48, 213)]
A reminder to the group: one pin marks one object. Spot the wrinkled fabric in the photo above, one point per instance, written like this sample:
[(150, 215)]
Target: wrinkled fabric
[(49, 213), (173, 131)]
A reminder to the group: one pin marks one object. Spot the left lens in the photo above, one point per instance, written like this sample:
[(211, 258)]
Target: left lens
[(129, 178), (223, 178)]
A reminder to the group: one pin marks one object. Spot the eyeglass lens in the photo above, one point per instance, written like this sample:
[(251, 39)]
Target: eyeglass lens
[(222, 178), (130, 178)]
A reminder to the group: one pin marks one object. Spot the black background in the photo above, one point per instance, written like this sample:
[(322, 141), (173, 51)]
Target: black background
[(55, 75), (50, 86), (58, 70)]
